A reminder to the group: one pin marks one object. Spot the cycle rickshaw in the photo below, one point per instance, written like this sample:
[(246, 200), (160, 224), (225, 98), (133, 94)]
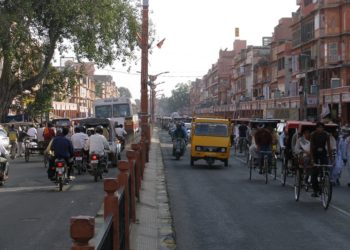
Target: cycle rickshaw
[(235, 140), (287, 155), (301, 180), (268, 166)]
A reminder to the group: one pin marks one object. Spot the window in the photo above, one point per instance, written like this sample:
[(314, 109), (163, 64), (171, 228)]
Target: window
[(332, 52), (211, 129), (280, 63), (307, 2), (121, 110), (104, 111)]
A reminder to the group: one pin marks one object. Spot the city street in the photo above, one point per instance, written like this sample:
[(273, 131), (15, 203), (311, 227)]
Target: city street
[(220, 208), (34, 215)]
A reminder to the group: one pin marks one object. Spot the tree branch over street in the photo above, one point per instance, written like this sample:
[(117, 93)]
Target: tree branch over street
[(31, 31)]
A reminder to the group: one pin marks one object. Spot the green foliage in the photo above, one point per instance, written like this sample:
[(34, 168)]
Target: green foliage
[(57, 85), (124, 92), (31, 30), (179, 101)]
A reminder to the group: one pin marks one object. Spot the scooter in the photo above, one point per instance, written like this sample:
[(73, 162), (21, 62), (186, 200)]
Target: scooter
[(4, 170), (97, 165), (179, 146), (78, 161), (60, 173)]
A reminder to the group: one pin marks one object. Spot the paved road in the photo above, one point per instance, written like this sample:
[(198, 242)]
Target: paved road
[(219, 208), (34, 215)]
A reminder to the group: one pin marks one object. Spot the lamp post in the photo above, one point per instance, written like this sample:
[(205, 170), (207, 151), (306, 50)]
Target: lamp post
[(145, 129), (153, 86), (153, 92)]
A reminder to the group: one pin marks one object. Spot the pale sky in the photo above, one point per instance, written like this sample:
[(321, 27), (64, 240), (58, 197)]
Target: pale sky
[(195, 31)]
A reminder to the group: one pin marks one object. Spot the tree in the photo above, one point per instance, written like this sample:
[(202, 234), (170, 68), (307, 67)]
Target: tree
[(124, 92), (179, 100), (54, 86), (30, 32)]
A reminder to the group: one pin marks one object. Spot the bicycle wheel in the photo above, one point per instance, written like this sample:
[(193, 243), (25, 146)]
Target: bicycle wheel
[(297, 184), (284, 170), (250, 164), (266, 168), (326, 191), (275, 168), (26, 155)]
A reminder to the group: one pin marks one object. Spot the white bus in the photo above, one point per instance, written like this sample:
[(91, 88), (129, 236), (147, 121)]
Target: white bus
[(120, 109)]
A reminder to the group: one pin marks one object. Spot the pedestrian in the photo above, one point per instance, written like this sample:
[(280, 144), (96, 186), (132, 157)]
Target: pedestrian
[(13, 137), (21, 136), (40, 135), (340, 157), (347, 155)]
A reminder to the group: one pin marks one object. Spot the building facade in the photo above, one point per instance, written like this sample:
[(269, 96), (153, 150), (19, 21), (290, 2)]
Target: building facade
[(301, 72)]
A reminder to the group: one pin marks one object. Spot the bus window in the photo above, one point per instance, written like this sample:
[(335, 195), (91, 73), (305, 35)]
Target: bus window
[(104, 111), (121, 110)]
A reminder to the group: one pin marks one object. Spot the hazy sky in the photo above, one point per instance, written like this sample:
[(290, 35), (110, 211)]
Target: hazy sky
[(195, 31)]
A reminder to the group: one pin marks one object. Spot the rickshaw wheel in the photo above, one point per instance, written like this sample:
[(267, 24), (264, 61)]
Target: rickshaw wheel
[(326, 194), (297, 185)]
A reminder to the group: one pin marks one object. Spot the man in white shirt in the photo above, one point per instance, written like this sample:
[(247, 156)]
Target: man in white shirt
[(97, 142), (40, 134), (120, 131), (32, 132), (79, 139)]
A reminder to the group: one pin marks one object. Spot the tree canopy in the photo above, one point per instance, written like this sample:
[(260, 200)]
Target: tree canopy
[(179, 100), (31, 31), (124, 92)]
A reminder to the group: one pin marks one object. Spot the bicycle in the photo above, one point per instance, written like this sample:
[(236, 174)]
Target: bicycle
[(325, 184), (266, 168)]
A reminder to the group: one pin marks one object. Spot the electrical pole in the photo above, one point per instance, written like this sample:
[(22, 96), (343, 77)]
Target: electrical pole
[(145, 129)]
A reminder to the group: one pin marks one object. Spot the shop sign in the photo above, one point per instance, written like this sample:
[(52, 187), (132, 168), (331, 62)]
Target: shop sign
[(346, 97)]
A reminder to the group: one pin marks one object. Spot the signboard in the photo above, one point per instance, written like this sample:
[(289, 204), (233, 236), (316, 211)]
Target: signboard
[(346, 97), (336, 98), (311, 100)]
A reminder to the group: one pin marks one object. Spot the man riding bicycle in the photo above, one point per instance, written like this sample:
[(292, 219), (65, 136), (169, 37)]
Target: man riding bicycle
[(318, 143), (263, 141), (242, 132)]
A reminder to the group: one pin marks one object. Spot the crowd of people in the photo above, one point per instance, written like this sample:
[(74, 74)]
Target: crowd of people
[(60, 142)]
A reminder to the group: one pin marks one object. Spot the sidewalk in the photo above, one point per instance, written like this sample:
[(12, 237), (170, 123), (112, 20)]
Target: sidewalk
[(153, 229)]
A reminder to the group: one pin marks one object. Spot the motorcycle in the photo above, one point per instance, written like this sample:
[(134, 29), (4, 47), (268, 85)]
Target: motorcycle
[(98, 165), (179, 146), (60, 173), (4, 170), (79, 161)]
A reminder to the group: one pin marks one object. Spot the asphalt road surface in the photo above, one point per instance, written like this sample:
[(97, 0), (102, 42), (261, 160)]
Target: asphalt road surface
[(218, 208), (35, 215)]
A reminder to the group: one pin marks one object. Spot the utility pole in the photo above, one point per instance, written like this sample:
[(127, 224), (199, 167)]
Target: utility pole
[(145, 128)]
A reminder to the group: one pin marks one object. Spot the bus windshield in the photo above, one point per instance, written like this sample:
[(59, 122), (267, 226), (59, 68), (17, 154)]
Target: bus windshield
[(121, 110), (211, 129), (103, 111)]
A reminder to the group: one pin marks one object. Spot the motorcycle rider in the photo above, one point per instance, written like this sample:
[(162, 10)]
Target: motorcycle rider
[(98, 144), (4, 154), (79, 139), (62, 148), (181, 133)]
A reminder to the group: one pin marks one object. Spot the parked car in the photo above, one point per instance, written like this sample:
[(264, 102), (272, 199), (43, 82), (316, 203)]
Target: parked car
[(4, 138)]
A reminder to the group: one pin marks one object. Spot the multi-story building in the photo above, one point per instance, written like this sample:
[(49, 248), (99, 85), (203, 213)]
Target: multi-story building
[(244, 78), (321, 49), (79, 102), (105, 86)]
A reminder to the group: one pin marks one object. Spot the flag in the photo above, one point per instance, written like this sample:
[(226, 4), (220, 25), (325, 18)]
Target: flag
[(160, 44)]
